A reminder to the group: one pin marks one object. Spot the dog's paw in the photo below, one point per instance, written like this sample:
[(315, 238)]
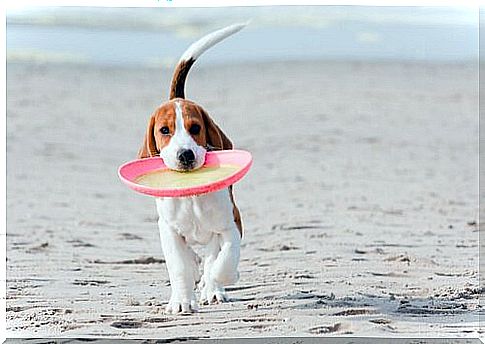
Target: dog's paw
[(224, 276), (210, 294), (181, 306)]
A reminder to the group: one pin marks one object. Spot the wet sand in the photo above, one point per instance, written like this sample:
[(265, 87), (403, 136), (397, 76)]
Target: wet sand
[(360, 211)]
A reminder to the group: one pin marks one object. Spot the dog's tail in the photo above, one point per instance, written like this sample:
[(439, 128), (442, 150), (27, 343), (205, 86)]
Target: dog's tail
[(177, 88)]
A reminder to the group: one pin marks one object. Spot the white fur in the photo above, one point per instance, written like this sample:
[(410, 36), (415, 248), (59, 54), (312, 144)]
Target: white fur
[(208, 41), (181, 139), (206, 220)]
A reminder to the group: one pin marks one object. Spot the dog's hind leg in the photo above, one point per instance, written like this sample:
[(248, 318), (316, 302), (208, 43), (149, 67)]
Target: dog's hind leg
[(195, 265), (210, 290)]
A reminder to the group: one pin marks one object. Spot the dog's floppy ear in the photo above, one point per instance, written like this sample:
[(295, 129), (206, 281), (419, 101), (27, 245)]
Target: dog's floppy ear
[(149, 147), (216, 139)]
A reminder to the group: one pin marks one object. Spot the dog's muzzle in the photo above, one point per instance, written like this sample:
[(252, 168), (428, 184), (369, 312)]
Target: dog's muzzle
[(186, 158)]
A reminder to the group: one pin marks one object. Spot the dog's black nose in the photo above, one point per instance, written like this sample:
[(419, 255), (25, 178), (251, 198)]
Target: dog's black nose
[(186, 157)]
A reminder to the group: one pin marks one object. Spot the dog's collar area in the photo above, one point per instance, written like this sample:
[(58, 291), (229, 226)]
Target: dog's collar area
[(153, 154), (209, 148)]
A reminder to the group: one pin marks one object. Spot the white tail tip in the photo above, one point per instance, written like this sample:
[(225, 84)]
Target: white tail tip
[(206, 42)]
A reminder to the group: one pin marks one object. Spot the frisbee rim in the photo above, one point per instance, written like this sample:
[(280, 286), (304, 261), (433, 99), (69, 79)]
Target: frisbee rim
[(193, 190)]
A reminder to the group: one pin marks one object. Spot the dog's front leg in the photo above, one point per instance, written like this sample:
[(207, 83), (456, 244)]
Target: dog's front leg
[(220, 266), (180, 265), (224, 269)]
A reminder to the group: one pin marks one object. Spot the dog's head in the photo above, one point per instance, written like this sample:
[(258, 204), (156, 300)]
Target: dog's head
[(181, 132)]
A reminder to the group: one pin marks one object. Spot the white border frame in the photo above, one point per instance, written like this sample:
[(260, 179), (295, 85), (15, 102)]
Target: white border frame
[(13, 5)]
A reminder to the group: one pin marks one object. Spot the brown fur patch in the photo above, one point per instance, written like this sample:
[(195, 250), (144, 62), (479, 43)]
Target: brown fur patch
[(177, 88), (210, 135)]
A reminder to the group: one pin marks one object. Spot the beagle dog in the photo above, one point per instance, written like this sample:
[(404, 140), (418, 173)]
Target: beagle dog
[(181, 132)]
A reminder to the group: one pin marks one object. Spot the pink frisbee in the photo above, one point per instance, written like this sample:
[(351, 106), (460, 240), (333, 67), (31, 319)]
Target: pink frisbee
[(239, 160)]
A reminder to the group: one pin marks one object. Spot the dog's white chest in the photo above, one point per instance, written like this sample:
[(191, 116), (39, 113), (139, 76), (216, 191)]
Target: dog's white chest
[(197, 218)]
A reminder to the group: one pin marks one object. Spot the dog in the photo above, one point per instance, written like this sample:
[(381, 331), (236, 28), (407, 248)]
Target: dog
[(181, 132)]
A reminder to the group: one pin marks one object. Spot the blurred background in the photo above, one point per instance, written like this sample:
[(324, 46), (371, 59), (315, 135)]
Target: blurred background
[(360, 210), (157, 36)]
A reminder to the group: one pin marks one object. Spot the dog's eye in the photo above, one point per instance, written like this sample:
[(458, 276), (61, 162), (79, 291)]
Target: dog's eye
[(194, 129), (165, 130)]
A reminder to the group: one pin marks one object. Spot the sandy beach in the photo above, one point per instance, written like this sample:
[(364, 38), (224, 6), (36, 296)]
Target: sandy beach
[(360, 211)]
